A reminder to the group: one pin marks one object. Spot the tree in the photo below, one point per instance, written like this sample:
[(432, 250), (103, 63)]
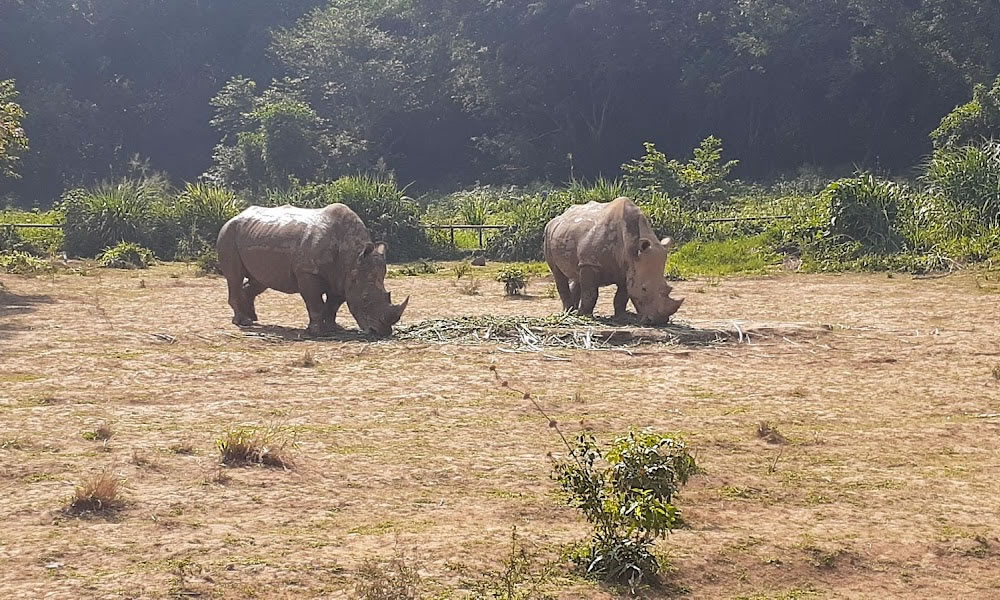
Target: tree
[(13, 141)]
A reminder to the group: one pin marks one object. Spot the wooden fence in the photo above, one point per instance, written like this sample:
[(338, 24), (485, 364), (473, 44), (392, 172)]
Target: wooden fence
[(480, 228)]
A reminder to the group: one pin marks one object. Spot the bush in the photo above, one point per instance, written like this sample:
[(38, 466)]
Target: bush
[(38, 241), (126, 255), (531, 215), (699, 183), (395, 580), (22, 263), (129, 210), (514, 280), (865, 209), (202, 210), (969, 178), (628, 500), (208, 262), (971, 122)]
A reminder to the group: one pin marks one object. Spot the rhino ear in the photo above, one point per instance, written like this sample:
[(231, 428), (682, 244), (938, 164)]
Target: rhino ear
[(381, 248), (368, 249), (667, 243), (644, 245)]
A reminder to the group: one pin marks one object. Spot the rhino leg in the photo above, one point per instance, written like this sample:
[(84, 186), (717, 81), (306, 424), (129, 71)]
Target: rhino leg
[(251, 289), (588, 289), (311, 289), (332, 306), (621, 302), (564, 288), (238, 301), (574, 294)]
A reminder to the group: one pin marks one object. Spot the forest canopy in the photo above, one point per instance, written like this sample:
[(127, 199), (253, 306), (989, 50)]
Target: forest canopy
[(260, 93)]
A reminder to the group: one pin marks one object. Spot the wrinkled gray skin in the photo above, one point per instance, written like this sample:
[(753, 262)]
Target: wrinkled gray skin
[(324, 254), (598, 244)]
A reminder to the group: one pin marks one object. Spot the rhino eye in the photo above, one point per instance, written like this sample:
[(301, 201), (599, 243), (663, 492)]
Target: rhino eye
[(644, 288)]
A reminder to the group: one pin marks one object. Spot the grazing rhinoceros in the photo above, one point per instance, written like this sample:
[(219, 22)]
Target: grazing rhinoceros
[(597, 244), (314, 252)]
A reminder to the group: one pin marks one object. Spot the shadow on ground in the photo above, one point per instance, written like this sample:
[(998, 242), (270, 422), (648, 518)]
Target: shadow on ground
[(13, 305)]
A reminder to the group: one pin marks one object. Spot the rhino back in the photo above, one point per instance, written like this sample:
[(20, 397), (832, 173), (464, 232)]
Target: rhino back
[(275, 243)]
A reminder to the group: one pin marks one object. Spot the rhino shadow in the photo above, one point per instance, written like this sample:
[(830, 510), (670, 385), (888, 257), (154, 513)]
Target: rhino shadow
[(13, 305), (299, 334)]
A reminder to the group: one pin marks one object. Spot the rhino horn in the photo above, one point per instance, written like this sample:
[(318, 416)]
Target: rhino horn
[(399, 309)]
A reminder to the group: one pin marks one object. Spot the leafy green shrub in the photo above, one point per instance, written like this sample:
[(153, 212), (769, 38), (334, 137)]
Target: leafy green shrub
[(698, 183), (973, 121), (129, 210), (40, 241), (208, 262), (126, 255), (520, 578), (969, 178), (514, 280), (628, 500), (600, 190), (18, 262), (531, 215), (865, 209)]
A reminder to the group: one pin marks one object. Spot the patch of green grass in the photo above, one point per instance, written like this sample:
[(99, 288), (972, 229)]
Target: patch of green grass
[(373, 528), (750, 255), (792, 594), (46, 241), (19, 378)]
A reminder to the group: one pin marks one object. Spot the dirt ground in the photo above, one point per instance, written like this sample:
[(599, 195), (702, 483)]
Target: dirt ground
[(886, 487)]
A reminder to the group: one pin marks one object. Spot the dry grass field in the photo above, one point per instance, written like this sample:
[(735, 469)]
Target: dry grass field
[(885, 485)]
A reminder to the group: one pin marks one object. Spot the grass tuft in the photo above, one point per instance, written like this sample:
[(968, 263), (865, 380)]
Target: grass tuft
[(268, 446), (306, 361), (394, 580), (101, 493)]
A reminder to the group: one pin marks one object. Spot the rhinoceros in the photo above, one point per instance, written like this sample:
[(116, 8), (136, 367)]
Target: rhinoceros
[(597, 244), (325, 254)]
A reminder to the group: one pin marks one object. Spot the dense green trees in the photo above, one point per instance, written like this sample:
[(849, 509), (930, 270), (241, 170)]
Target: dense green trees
[(453, 91)]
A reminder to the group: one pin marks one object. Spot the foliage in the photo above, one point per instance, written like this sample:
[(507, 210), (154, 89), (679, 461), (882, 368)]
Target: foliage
[(17, 262), (514, 280), (723, 257), (531, 214), (394, 580), (699, 183), (203, 209), (865, 209), (126, 255), (208, 262), (968, 177), (40, 241), (972, 122), (600, 190), (128, 210), (628, 500), (13, 141)]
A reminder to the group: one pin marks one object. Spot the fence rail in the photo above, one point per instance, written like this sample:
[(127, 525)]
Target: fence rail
[(31, 225)]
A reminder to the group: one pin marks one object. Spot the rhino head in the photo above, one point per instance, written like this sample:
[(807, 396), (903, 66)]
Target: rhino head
[(369, 303), (647, 287)]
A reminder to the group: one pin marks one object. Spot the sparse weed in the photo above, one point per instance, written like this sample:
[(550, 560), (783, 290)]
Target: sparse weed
[(103, 433), (268, 446), (392, 580), (460, 270), (769, 433), (101, 493), (470, 287), (996, 372), (306, 361), (22, 263), (184, 447), (520, 578)]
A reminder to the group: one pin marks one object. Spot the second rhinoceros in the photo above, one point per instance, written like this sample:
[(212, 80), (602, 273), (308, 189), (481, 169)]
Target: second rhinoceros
[(324, 254), (597, 244)]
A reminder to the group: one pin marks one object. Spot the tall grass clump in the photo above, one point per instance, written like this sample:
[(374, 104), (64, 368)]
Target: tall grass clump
[(969, 178), (531, 215), (267, 446), (205, 208), (126, 255), (101, 493), (599, 190), (865, 209), (127, 210)]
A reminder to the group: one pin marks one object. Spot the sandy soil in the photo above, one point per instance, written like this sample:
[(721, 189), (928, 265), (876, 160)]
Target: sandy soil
[(886, 488)]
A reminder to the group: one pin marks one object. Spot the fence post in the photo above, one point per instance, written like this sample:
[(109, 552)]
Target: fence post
[(452, 230), (480, 238)]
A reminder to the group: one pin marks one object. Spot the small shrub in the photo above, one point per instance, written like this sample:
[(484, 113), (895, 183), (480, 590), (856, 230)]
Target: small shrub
[(102, 434), (126, 255), (394, 580), (460, 270), (969, 178), (419, 268), (628, 501), (207, 262), (514, 280), (306, 361), (268, 446), (101, 493), (22, 263)]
